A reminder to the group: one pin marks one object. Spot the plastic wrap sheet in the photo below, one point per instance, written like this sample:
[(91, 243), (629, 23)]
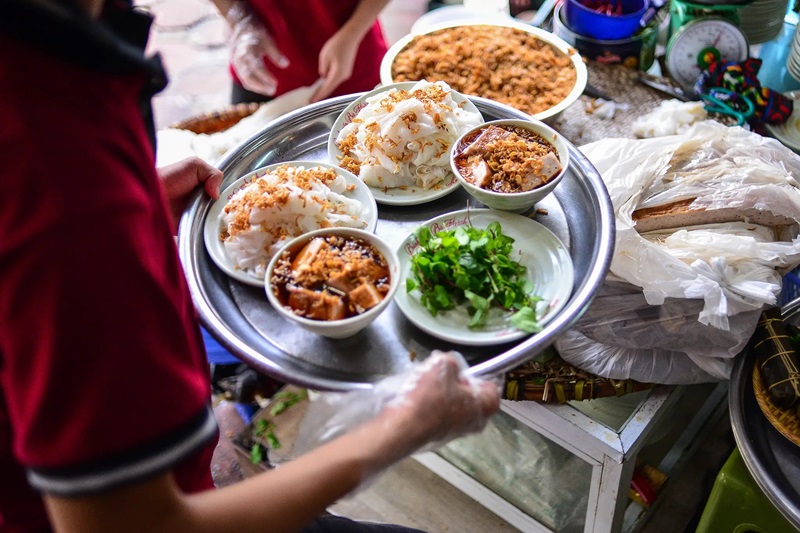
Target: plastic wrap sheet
[(621, 336), (731, 267), (679, 304)]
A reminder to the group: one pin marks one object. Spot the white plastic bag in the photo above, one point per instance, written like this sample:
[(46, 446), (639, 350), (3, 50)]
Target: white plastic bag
[(677, 306), (731, 267), (621, 336)]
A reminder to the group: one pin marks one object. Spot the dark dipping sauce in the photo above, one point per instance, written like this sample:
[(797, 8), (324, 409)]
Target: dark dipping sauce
[(506, 159), (331, 278)]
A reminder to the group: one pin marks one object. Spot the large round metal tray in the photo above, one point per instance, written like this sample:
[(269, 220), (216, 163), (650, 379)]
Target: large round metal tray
[(239, 316), (772, 459)]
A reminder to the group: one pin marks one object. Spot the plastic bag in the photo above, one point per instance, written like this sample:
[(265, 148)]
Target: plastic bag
[(621, 336), (678, 305), (731, 267)]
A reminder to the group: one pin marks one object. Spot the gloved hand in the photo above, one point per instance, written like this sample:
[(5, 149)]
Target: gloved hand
[(251, 43), (422, 408), (462, 403)]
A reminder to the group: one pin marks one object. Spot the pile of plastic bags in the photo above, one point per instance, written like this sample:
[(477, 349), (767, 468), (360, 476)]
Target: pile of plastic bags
[(679, 305)]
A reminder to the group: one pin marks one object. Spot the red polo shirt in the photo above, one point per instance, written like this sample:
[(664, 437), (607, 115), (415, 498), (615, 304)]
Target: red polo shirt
[(103, 378), (301, 27)]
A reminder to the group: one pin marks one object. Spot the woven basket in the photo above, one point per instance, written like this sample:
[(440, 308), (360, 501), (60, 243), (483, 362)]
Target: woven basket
[(786, 421), (556, 381), (217, 121)]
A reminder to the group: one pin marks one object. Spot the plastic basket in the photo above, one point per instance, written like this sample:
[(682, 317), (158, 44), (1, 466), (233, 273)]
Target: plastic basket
[(737, 505)]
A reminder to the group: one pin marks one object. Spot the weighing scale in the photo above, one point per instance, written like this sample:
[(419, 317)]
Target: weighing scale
[(701, 33)]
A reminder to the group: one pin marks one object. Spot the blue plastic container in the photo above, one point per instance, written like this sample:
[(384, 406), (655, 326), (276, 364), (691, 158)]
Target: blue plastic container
[(590, 23)]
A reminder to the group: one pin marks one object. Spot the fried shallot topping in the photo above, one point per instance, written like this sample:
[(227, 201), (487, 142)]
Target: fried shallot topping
[(504, 64)]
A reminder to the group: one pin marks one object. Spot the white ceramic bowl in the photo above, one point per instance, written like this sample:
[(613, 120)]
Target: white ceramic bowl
[(551, 113), (517, 202), (346, 327)]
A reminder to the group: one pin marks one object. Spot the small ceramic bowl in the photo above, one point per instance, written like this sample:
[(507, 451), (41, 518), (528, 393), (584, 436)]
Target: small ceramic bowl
[(344, 327), (518, 202)]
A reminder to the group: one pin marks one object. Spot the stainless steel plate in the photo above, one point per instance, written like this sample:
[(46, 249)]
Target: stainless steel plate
[(772, 459), (579, 212)]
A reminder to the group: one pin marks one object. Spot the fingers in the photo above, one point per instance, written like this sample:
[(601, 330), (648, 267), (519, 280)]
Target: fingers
[(479, 396), (447, 364), (249, 55), (212, 182), (488, 397), (254, 75), (270, 50), (182, 177), (325, 90)]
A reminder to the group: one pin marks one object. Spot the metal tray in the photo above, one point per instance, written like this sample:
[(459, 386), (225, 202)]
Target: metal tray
[(579, 212), (772, 459)]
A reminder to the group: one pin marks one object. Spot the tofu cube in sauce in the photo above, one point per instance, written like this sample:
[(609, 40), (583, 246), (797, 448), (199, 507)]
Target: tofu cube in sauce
[(331, 278)]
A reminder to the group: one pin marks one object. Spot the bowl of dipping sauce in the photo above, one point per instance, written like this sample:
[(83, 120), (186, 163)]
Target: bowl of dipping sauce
[(510, 164), (333, 281)]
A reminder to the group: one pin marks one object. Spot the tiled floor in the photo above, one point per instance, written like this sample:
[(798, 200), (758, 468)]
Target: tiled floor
[(191, 36)]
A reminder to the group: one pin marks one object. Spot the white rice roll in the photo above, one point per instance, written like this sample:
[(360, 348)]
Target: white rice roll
[(247, 252), (378, 176), (323, 205), (390, 156), (427, 177), (351, 127)]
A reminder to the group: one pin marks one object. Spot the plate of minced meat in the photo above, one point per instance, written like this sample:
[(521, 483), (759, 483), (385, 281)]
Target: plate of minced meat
[(397, 140), (261, 211)]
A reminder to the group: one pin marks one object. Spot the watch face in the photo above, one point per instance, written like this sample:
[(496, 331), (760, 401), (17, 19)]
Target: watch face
[(701, 42)]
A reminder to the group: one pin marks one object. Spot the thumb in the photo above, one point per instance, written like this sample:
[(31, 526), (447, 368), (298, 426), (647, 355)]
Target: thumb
[(324, 90)]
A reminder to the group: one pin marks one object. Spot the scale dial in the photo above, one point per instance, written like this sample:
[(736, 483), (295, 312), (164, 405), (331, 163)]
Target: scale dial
[(701, 42)]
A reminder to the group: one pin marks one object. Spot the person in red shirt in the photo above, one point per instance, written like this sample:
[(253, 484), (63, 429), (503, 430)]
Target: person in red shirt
[(105, 422), (280, 45)]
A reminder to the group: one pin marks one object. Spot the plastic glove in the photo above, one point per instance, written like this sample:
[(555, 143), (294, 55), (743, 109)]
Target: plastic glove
[(422, 408), (336, 60), (251, 43), (439, 401)]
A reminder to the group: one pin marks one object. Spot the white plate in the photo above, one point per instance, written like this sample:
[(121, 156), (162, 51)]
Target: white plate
[(549, 268), (212, 226), (581, 78), (395, 195)]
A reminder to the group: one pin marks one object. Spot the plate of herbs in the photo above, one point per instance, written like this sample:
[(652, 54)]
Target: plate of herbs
[(481, 277)]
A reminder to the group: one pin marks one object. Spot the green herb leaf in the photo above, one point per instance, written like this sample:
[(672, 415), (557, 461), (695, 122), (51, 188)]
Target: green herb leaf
[(286, 400), (256, 454), (262, 426), (525, 319), (472, 266), (273, 441)]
